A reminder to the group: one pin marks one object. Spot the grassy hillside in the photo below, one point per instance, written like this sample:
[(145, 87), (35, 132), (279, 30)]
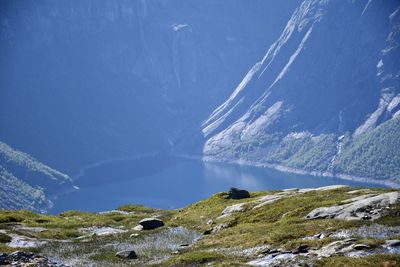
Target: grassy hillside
[(198, 235)]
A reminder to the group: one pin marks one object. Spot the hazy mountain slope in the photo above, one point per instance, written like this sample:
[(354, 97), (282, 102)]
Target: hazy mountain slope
[(323, 79), (27, 183), (95, 80)]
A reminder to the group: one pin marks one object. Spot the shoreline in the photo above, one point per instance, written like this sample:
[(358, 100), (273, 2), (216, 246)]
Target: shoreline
[(286, 169)]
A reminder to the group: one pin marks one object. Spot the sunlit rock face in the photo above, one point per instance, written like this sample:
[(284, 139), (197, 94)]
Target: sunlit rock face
[(114, 78), (319, 94)]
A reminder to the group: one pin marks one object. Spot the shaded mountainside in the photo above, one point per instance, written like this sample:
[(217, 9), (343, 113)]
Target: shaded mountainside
[(27, 183), (327, 226), (325, 98), (97, 80)]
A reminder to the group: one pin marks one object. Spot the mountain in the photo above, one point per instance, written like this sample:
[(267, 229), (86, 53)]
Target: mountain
[(27, 183), (85, 81), (325, 98)]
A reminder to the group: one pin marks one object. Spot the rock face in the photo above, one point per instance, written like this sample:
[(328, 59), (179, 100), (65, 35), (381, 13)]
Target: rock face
[(231, 209), (20, 258), (28, 183), (288, 111), (235, 193), (271, 198), (128, 254), (370, 207), (151, 223), (163, 66), (102, 231)]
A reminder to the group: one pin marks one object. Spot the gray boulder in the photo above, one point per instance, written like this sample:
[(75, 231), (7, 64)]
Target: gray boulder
[(367, 207), (127, 254), (232, 209), (151, 223), (393, 243)]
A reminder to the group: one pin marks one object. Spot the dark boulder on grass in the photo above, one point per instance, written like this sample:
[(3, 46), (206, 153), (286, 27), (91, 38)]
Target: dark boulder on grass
[(301, 249), (127, 254), (151, 223), (235, 193)]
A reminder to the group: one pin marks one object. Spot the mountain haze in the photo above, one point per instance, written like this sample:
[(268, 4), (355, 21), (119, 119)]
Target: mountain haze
[(85, 81), (309, 86)]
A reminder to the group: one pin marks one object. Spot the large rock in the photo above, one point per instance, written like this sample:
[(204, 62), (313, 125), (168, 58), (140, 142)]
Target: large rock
[(231, 209), (235, 193), (336, 248), (151, 223), (128, 254), (370, 207)]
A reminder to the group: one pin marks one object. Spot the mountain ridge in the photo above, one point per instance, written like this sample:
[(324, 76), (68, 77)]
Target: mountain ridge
[(297, 105)]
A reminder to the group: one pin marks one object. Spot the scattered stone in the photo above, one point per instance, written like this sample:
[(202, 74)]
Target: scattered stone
[(335, 248), (207, 232), (151, 223), (134, 235), (273, 260), (269, 251), (231, 209), (19, 241), (218, 228), (361, 246), (301, 249), (269, 199), (210, 222), (29, 229), (393, 243), (369, 231), (235, 193), (20, 258), (102, 231), (363, 207), (128, 254), (138, 228)]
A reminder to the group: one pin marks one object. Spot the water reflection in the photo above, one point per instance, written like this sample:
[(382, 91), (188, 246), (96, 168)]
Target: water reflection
[(170, 182)]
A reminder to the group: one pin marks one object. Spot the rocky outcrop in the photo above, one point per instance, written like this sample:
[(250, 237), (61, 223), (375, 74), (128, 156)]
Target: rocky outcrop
[(102, 231), (271, 198), (231, 209), (25, 259), (127, 254), (368, 207)]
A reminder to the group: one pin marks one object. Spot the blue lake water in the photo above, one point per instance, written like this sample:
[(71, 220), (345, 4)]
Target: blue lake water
[(171, 182)]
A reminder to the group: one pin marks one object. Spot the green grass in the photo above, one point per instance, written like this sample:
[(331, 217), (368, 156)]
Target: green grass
[(66, 225), (279, 225), (5, 238), (276, 223), (195, 258)]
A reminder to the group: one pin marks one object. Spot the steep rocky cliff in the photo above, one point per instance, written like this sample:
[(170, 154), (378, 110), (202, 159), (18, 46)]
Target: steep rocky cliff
[(324, 98)]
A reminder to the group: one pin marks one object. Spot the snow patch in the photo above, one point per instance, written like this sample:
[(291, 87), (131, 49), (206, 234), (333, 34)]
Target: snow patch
[(177, 27), (379, 68)]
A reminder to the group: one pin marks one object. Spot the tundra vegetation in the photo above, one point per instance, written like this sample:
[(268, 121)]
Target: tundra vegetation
[(269, 226)]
